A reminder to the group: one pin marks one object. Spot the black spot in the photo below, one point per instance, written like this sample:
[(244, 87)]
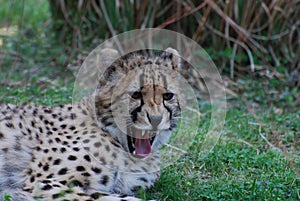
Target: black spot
[(54, 116), (47, 187), (50, 176), (96, 195), (143, 179), (46, 181), (5, 150), (28, 130), (86, 174), (107, 148), (114, 155), (73, 116), (47, 111), (62, 150), (87, 158), (72, 158), (20, 125), (84, 112), (32, 179), (86, 141), (63, 126), (102, 159), (76, 149), (63, 182), (96, 170), (54, 149), (80, 168), (76, 183), (29, 171), (35, 111), (97, 144), (9, 125), (57, 140), (46, 167), (1, 135), (56, 162), (72, 128), (62, 171), (104, 180)]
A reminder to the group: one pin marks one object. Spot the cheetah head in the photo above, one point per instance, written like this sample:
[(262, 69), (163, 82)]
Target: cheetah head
[(145, 100)]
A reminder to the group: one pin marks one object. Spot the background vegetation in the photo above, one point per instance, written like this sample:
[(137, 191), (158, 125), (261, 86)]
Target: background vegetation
[(255, 44)]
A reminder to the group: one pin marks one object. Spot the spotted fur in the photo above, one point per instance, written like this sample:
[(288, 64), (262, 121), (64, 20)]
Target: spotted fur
[(80, 151)]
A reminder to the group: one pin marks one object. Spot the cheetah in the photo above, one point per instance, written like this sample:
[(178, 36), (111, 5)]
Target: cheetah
[(80, 151)]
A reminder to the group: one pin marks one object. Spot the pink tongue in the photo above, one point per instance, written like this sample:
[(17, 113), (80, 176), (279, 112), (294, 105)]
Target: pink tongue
[(142, 147)]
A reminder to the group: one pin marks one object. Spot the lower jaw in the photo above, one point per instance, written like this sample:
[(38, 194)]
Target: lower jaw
[(133, 135)]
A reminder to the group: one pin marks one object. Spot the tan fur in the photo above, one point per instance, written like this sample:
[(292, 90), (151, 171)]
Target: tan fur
[(74, 152)]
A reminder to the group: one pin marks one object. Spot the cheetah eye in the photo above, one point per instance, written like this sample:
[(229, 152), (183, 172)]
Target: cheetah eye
[(168, 96), (136, 95)]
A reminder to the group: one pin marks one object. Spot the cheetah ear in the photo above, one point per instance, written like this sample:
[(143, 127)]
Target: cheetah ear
[(108, 56), (175, 58)]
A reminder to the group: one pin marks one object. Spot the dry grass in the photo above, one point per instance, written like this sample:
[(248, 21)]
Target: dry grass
[(266, 31)]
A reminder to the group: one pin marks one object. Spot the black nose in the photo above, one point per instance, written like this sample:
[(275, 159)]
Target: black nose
[(154, 120)]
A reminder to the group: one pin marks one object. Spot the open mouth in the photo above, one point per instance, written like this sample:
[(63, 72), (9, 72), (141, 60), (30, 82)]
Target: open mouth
[(140, 141)]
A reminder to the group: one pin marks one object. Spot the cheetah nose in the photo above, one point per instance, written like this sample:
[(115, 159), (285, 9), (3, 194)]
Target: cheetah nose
[(155, 121)]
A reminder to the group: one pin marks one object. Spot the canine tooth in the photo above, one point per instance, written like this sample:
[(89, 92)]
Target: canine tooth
[(143, 133), (132, 142)]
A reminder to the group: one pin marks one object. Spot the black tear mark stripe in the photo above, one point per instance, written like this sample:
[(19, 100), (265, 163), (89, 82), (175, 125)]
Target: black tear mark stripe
[(168, 109), (135, 111)]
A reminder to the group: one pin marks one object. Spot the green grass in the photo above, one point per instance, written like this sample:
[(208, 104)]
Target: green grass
[(242, 165), (35, 12)]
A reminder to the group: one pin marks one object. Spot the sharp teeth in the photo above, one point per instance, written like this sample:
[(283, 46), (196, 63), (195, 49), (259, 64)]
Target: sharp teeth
[(143, 133), (132, 142)]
